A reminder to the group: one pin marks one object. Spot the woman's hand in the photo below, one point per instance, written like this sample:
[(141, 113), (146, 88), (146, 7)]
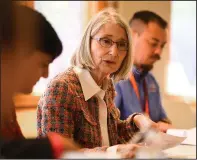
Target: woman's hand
[(127, 150), (143, 122)]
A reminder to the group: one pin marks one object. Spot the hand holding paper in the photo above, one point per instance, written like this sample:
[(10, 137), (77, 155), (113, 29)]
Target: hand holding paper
[(157, 139)]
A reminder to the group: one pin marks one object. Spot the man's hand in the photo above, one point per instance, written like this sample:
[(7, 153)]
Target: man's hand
[(163, 127)]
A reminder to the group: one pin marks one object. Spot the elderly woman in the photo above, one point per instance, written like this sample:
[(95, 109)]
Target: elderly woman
[(78, 103)]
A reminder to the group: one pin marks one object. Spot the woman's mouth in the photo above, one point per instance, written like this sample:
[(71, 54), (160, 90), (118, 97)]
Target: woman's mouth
[(109, 61)]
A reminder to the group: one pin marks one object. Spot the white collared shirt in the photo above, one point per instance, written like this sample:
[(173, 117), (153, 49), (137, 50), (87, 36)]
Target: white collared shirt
[(90, 89)]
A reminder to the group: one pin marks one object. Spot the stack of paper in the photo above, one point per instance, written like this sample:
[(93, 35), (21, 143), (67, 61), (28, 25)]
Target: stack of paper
[(181, 152), (190, 134), (161, 140)]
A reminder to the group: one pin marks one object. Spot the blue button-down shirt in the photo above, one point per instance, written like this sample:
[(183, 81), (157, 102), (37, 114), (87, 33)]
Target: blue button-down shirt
[(127, 102)]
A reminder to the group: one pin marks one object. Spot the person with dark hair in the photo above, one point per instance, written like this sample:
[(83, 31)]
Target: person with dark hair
[(35, 44), (28, 45), (148, 16), (140, 92)]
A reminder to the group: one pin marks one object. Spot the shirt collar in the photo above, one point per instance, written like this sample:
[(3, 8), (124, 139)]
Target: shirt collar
[(139, 75), (89, 86)]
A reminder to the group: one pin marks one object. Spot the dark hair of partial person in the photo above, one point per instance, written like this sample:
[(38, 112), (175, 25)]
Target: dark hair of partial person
[(148, 16), (6, 22), (31, 30)]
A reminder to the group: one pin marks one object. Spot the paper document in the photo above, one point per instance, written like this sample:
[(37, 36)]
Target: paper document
[(158, 140), (190, 134), (181, 152), (169, 141)]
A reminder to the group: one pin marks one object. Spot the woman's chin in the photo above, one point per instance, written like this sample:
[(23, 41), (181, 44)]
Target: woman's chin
[(108, 71)]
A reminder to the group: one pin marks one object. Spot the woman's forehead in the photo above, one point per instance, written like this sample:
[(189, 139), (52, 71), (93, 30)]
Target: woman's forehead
[(113, 30)]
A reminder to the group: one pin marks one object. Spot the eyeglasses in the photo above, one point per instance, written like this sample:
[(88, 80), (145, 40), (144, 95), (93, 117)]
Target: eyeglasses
[(107, 43)]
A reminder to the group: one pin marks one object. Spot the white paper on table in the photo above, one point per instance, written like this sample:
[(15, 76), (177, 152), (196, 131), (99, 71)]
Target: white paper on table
[(158, 140), (190, 134), (169, 141), (181, 151)]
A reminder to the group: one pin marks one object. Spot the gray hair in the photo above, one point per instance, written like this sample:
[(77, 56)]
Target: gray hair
[(82, 57)]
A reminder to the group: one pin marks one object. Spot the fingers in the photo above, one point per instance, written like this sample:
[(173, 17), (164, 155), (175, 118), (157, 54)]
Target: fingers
[(128, 150), (129, 155), (132, 152), (143, 122)]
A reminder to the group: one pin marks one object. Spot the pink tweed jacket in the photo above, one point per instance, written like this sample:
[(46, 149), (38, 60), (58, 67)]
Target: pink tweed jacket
[(63, 109)]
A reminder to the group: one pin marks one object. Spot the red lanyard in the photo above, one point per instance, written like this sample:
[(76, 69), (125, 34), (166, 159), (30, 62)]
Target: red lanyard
[(135, 87)]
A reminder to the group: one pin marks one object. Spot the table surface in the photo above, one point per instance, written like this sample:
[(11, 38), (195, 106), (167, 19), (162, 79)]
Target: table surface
[(182, 151)]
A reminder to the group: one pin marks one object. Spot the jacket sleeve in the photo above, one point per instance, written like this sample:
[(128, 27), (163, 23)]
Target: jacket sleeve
[(163, 116), (126, 128), (55, 110)]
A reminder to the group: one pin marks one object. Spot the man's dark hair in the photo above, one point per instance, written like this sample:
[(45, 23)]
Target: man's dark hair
[(148, 16), (32, 31)]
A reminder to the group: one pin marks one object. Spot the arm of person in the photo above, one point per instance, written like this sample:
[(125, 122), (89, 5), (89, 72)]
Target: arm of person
[(26, 148), (126, 128), (163, 116), (52, 146), (133, 124), (164, 123), (56, 113)]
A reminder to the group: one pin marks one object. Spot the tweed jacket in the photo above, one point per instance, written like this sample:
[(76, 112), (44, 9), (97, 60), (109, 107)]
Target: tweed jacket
[(63, 109)]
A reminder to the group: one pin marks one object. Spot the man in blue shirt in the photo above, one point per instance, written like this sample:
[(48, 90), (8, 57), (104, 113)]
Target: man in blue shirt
[(140, 92)]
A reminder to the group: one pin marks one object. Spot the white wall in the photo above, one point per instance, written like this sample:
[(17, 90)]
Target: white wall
[(182, 115), (27, 121)]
